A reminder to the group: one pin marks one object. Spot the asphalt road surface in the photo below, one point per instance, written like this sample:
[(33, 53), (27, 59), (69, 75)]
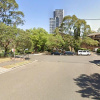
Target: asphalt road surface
[(53, 78)]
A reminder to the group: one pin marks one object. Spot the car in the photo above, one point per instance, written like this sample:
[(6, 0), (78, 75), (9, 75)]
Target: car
[(56, 53), (69, 53), (84, 52)]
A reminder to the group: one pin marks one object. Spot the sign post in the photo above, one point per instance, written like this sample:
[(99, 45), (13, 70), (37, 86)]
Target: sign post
[(13, 50)]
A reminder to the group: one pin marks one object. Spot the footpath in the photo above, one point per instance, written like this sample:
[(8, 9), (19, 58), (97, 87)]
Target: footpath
[(8, 64)]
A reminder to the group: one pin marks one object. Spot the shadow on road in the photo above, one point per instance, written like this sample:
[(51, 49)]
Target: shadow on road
[(26, 57), (95, 62), (90, 85)]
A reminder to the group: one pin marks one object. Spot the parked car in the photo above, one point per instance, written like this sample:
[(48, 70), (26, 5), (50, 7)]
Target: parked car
[(69, 53), (56, 53), (83, 52)]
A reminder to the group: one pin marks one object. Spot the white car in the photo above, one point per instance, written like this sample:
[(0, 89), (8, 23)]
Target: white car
[(83, 52)]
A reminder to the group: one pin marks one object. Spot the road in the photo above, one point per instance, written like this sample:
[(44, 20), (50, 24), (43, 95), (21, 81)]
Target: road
[(53, 78)]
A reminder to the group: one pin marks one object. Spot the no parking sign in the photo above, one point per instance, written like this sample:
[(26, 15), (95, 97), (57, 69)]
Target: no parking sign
[(13, 50)]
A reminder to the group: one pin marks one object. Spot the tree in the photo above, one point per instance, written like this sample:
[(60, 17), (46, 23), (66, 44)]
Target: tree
[(7, 36), (56, 31), (77, 44), (69, 42), (86, 31), (66, 25), (90, 42), (75, 26), (23, 41), (9, 14), (12, 37), (39, 38), (55, 41)]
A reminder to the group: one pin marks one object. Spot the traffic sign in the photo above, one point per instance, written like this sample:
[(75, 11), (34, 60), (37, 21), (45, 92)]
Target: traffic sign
[(13, 50)]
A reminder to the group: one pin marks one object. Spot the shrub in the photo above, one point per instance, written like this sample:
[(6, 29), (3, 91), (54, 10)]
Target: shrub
[(98, 50), (1, 54), (83, 49)]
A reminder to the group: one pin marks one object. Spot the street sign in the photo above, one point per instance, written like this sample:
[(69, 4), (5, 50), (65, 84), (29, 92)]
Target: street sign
[(13, 50), (26, 49)]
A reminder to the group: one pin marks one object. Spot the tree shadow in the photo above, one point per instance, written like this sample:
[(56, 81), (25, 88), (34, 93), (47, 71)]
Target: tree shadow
[(90, 85), (26, 57), (95, 62)]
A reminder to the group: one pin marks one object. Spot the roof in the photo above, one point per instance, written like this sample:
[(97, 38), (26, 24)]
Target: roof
[(94, 34)]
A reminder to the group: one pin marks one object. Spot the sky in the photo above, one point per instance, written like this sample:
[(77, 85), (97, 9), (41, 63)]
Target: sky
[(38, 12)]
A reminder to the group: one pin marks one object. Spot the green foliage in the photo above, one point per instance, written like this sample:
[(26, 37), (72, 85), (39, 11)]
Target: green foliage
[(1, 55), (98, 50), (23, 41), (77, 44), (54, 41), (12, 37), (9, 14), (75, 27), (89, 41), (83, 49), (67, 36), (7, 36), (39, 38), (69, 41), (56, 31)]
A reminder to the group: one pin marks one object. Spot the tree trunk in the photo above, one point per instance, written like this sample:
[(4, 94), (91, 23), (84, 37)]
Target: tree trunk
[(5, 54), (36, 49)]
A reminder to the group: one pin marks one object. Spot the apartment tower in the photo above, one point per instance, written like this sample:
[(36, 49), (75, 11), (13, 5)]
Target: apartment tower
[(56, 21)]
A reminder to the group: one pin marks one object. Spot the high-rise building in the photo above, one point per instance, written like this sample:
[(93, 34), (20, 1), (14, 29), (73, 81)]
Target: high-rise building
[(52, 25), (59, 13), (56, 20)]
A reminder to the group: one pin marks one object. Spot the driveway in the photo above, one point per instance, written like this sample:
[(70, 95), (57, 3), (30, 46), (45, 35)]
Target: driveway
[(53, 78)]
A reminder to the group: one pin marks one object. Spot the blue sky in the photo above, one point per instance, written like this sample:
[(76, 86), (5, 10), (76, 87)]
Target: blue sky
[(38, 12)]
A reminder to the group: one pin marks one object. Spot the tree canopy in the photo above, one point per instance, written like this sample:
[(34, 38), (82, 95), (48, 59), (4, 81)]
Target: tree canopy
[(39, 38), (72, 32), (7, 36), (75, 26), (9, 13), (55, 41), (89, 41)]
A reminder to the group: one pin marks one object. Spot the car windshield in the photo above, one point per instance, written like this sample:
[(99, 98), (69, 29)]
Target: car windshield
[(84, 51)]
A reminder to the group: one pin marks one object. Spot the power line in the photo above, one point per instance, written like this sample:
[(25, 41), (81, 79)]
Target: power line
[(91, 19)]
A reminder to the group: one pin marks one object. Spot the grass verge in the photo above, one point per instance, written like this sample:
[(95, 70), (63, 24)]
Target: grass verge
[(4, 60), (17, 64)]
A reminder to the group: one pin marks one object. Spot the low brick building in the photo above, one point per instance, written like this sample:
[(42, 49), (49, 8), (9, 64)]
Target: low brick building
[(95, 36)]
